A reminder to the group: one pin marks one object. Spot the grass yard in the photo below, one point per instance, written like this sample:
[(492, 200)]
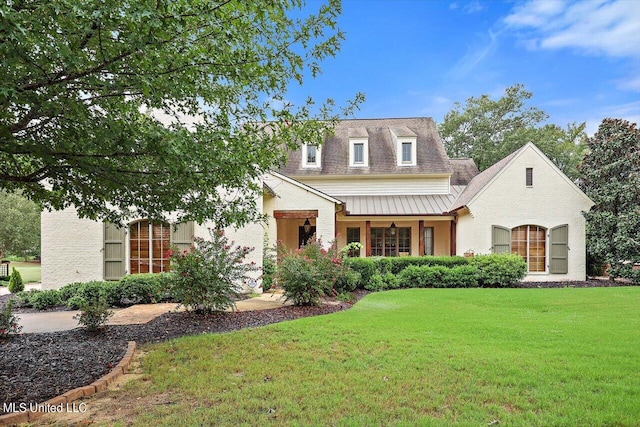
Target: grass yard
[(30, 271), (471, 357)]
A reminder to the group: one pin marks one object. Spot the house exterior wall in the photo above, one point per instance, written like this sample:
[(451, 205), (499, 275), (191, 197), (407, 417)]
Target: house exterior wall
[(369, 186), (506, 201), (72, 249), (291, 197)]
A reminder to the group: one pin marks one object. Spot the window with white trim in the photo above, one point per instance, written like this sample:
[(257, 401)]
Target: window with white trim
[(311, 156), (358, 152), (406, 152)]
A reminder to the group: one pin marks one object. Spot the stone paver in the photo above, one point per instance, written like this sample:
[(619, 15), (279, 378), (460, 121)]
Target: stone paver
[(136, 314)]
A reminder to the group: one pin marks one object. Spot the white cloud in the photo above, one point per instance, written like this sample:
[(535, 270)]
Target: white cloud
[(602, 27), (473, 7), (475, 55)]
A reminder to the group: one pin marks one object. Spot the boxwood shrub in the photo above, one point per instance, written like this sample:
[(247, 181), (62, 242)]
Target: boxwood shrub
[(499, 270)]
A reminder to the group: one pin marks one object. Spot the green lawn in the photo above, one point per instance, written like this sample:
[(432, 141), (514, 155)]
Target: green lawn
[(30, 271), (471, 357)]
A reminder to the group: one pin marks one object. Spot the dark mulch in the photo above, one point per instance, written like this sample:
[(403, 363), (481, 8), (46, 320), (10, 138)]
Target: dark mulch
[(37, 367)]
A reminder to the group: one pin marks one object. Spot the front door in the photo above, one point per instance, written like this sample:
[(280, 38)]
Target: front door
[(303, 237)]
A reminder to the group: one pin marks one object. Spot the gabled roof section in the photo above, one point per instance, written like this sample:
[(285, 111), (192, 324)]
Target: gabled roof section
[(464, 170), (482, 180), (431, 156), (304, 187)]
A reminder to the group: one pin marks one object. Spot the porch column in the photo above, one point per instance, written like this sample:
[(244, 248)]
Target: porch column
[(452, 238), (367, 238), (421, 237)]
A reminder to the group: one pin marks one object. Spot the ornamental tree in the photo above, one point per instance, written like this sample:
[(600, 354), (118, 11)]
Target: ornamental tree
[(144, 107), (611, 178)]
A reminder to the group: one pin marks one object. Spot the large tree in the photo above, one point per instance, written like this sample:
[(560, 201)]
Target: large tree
[(140, 107), (487, 130), (19, 225), (611, 178)]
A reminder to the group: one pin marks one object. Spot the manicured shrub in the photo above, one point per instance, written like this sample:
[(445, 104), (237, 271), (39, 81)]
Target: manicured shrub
[(462, 276), (208, 277), (75, 302), (499, 270), (347, 281), (94, 314), (8, 321), (15, 282), (397, 264), (139, 289), (309, 272), (375, 284), (45, 299), (438, 276), (365, 266), (390, 281)]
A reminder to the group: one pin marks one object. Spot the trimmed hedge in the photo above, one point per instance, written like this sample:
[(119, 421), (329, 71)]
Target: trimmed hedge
[(499, 270), (132, 289), (368, 267), (496, 270)]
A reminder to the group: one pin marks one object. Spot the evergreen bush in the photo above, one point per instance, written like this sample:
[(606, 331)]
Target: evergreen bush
[(15, 282), (499, 270)]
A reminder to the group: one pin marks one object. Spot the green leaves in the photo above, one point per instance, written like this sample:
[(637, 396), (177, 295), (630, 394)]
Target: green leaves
[(87, 91), (611, 178), (488, 130)]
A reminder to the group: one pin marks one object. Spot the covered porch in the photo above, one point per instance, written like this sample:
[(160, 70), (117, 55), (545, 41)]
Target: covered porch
[(398, 235)]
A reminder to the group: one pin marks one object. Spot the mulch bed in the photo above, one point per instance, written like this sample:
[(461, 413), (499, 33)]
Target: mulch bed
[(37, 367)]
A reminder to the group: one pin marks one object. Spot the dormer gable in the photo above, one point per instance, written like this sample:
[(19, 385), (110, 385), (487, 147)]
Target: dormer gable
[(358, 148), (405, 142)]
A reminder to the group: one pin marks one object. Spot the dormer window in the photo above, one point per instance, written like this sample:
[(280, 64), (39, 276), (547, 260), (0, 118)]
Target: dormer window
[(311, 156), (359, 152), (406, 151)]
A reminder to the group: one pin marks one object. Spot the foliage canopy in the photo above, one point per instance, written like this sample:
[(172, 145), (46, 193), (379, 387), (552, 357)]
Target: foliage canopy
[(611, 178), (488, 130), (138, 108), (19, 225)]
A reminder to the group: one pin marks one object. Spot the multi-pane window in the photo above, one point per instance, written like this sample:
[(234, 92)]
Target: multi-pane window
[(148, 244), (428, 240), (358, 153), (406, 152), (312, 154), (353, 236), (390, 241), (529, 241)]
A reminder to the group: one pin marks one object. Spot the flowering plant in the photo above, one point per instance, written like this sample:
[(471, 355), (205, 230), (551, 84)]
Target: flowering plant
[(8, 321), (208, 277), (309, 272)]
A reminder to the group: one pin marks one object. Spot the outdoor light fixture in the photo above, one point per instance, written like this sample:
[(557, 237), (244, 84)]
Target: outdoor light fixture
[(393, 228), (307, 226)]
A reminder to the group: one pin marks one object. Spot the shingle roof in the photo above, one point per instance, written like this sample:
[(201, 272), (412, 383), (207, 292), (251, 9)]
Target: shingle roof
[(479, 181), (431, 157), (401, 204), (464, 170)]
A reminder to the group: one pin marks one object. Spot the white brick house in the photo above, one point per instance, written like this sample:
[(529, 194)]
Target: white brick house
[(386, 183)]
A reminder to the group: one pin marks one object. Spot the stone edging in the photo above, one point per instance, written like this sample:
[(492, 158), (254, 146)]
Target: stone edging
[(75, 394)]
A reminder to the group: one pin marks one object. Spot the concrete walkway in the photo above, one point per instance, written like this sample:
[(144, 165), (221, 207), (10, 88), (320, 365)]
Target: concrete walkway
[(136, 314)]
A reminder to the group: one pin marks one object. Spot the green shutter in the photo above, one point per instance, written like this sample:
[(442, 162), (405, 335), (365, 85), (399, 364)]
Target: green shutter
[(114, 252), (500, 240), (182, 235), (559, 250)]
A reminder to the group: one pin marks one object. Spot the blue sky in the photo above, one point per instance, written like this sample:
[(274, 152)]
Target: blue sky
[(581, 60)]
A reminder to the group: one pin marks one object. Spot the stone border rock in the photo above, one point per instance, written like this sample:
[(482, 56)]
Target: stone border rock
[(65, 399)]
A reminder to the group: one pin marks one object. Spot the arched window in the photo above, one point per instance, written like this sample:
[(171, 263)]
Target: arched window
[(148, 243), (529, 241)]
